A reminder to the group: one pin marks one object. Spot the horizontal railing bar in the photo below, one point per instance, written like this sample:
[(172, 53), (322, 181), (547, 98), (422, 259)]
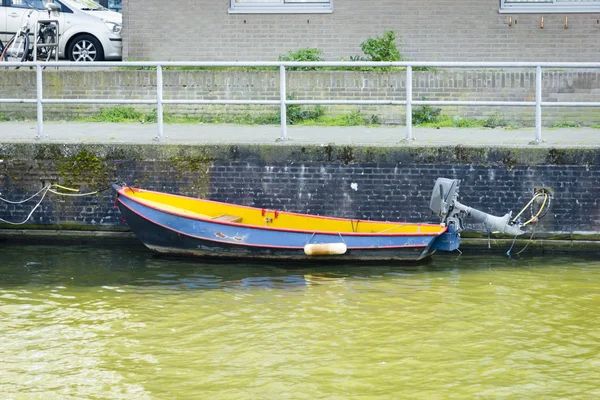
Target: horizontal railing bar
[(473, 103), (310, 102), (97, 101), (572, 104), (266, 102), (364, 102), (18, 100), (448, 64)]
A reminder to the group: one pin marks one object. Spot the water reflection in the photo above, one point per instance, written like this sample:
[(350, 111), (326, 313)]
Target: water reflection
[(134, 265)]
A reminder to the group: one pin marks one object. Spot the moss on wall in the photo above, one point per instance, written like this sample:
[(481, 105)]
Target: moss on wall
[(197, 166), (89, 160), (83, 170)]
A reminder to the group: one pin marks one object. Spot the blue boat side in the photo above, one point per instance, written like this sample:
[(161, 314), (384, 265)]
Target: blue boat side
[(169, 233)]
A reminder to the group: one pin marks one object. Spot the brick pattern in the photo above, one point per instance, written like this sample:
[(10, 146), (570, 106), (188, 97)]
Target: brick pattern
[(430, 30), (508, 85), (374, 191)]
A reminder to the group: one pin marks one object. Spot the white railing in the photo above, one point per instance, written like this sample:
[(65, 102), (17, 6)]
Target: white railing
[(283, 101)]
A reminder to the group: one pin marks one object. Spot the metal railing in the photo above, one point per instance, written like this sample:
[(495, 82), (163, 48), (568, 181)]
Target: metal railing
[(159, 101)]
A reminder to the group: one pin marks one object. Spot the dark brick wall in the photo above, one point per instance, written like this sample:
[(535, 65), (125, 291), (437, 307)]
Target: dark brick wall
[(397, 187)]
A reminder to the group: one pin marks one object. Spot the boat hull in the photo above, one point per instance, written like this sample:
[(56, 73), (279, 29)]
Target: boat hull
[(176, 235)]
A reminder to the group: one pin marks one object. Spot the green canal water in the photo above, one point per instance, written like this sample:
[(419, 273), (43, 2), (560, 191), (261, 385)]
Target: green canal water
[(116, 322)]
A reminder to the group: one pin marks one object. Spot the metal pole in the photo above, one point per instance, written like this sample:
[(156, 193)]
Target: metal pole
[(282, 99), (538, 104), (409, 103), (39, 95), (159, 102)]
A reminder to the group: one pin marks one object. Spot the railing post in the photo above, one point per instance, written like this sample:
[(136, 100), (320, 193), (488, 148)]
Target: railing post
[(282, 99), (538, 104), (39, 95), (409, 103), (159, 102)]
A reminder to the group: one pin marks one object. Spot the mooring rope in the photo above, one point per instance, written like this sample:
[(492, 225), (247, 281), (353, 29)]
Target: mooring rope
[(27, 199), (534, 219), (45, 190)]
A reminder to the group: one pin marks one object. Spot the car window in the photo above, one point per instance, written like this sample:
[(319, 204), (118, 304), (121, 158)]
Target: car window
[(63, 8), (39, 4)]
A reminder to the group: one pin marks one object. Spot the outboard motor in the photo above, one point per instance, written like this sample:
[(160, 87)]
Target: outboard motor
[(445, 205)]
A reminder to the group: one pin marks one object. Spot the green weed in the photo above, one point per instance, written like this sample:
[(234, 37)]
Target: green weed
[(117, 114), (426, 114), (307, 54), (567, 124), (382, 48)]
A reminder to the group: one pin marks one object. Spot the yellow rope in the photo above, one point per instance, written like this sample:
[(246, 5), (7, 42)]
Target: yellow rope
[(539, 212), (72, 194), (64, 187), (525, 208), (54, 185)]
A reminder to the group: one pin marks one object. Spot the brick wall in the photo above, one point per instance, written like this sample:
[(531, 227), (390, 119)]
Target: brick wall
[(358, 182), (506, 85), (429, 30)]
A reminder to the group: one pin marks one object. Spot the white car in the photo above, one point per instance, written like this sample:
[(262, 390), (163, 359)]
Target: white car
[(87, 31)]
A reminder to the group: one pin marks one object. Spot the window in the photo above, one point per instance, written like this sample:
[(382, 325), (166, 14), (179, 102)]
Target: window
[(38, 4), (281, 6), (549, 6)]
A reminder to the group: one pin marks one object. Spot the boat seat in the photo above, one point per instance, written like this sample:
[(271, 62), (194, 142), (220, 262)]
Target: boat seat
[(227, 218)]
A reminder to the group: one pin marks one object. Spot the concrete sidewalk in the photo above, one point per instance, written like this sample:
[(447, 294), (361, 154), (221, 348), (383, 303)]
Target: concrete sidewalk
[(138, 133)]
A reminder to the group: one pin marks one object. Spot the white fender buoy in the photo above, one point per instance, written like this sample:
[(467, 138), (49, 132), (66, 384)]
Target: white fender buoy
[(325, 249)]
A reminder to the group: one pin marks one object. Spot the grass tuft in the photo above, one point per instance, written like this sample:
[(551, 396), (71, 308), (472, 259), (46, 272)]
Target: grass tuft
[(567, 124)]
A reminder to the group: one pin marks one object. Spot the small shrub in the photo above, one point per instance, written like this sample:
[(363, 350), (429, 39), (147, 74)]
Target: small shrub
[(306, 54), (567, 124), (3, 117), (353, 119), (425, 114), (494, 120), (373, 120), (118, 114), (295, 114), (466, 123), (357, 58), (382, 48)]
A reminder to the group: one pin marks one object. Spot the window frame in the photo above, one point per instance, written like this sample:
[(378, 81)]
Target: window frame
[(556, 6), (282, 8)]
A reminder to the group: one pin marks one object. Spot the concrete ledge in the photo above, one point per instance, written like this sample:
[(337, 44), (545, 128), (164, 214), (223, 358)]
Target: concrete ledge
[(468, 245)]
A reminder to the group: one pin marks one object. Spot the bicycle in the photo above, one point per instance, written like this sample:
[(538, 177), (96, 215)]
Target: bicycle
[(19, 48)]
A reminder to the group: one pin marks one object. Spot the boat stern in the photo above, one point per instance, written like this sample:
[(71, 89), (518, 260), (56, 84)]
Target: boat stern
[(447, 241)]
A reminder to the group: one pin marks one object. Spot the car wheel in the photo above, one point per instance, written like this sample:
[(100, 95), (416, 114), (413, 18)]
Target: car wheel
[(85, 48)]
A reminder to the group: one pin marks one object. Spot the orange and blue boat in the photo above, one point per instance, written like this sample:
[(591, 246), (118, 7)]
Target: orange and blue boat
[(178, 225)]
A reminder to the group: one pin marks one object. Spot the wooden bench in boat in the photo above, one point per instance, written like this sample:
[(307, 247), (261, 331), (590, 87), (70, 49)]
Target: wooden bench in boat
[(227, 218)]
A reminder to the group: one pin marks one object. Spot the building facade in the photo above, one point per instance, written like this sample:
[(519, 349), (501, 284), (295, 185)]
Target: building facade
[(427, 30)]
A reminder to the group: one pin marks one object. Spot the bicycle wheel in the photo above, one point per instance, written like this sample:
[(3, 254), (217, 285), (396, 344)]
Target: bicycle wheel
[(45, 37), (16, 49)]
